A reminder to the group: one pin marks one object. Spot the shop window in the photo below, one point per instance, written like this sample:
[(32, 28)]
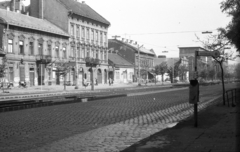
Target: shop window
[(10, 46)]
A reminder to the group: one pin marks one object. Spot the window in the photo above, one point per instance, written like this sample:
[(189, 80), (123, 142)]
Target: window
[(82, 51), (72, 30), (88, 53), (10, 46), (78, 51), (31, 48), (105, 55), (101, 56), (117, 75), (72, 51), (87, 34), (78, 32), (64, 53), (40, 48), (96, 54), (96, 36), (101, 37), (92, 35), (21, 51), (57, 51), (83, 33), (49, 48)]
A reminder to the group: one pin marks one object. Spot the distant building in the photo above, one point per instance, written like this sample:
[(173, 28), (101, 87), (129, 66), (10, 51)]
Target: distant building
[(15, 6), (161, 56), (188, 54), (120, 70), (129, 51), (88, 35)]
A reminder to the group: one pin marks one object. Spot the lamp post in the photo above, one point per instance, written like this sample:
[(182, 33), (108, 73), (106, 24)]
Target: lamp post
[(76, 70), (139, 63)]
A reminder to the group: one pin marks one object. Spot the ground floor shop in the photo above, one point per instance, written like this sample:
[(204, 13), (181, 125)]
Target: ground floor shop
[(34, 74)]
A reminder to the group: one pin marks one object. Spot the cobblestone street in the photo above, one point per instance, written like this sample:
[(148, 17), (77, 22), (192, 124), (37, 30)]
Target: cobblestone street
[(102, 125)]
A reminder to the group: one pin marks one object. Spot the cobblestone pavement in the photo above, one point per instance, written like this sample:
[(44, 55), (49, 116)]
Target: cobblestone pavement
[(103, 125)]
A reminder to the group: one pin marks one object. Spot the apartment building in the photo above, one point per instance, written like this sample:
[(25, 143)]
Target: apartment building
[(30, 44), (88, 35)]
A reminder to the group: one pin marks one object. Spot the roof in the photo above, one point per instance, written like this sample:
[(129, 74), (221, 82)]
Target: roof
[(170, 61), (84, 10), (135, 46), (25, 21), (158, 61), (118, 60), (192, 47)]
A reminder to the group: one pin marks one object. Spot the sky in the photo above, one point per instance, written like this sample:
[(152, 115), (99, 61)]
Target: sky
[(161, 25)]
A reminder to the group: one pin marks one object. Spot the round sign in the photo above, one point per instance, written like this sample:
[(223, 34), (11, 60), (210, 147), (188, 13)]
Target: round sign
[(216, 54)]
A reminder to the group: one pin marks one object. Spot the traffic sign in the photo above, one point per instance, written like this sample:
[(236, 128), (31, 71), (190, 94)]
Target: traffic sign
[(214, 54)]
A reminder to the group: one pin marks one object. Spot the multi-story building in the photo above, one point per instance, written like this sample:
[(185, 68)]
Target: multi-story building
[(30, 44), (88, 35), (129, 51)]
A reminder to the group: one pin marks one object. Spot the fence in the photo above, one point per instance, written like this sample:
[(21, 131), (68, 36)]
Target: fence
[(233, 95)]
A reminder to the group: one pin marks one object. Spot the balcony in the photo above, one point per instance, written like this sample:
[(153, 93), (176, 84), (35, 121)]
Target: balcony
[(71, 58), (92, 62), (44, 58)]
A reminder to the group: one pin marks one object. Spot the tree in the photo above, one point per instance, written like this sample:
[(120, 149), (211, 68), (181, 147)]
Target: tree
[(176, 70), (3, 67), (218, 42), (182, 71), (211, 73), (161, 69), (237, 71), (232, 8)]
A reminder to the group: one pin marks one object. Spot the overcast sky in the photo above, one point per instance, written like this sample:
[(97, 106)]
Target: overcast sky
[(162, 25)]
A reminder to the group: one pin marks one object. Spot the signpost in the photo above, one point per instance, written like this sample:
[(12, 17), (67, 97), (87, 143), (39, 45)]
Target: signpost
[(194, 85)]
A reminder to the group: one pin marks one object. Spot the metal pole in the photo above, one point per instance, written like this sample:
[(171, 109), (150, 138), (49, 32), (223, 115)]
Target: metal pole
[(139, 65), (173, 71), (195, 104), (41, 77), (76, 69)]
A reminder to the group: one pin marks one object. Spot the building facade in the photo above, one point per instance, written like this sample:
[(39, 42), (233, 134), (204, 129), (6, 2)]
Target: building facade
[(188, 56), (88, 35), (129, 51), (30, 45), (120, 70)]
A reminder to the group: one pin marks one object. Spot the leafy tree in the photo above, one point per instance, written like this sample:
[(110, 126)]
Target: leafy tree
[(161, 69), (203, 74), (237, 71), (218, 42), (211, 73), (3, 67), (232, 8), (182, 71)]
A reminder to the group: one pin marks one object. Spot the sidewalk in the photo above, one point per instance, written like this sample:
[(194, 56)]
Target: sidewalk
[(218, 131), (60, 88)]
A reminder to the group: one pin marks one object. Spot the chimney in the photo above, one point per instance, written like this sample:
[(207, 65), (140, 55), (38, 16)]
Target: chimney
[(83, 2)]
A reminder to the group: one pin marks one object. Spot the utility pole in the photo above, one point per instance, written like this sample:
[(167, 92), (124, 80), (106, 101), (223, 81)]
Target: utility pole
[(139, 64), (173, 70)]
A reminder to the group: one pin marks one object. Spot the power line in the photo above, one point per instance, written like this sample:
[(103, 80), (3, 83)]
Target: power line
[(170, 32)]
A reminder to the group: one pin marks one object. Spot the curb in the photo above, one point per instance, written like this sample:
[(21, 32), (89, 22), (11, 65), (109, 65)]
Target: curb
[(34, 103)]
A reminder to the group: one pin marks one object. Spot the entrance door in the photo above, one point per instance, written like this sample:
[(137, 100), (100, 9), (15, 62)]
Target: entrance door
[(99, 76), (31, 76)]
